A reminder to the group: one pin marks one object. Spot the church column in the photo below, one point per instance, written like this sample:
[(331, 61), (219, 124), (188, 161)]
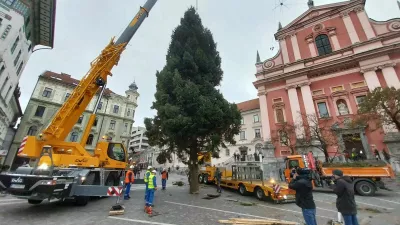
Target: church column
[(366, 25), (295, 45), (373, 82), (285, 54), (307, 98), (311, 45), (295, 107), (350, 27), (334, 39), (266, 133), (371, 78), (390, 75)]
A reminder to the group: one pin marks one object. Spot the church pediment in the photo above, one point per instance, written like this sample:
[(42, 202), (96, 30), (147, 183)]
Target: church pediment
[(314, 13)]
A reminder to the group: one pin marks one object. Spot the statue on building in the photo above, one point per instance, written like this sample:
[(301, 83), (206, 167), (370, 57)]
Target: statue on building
[(342, 107), (279, 116)]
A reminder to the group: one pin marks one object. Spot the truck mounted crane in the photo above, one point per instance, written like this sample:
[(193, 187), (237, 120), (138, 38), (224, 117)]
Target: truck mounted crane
[(65, 170)]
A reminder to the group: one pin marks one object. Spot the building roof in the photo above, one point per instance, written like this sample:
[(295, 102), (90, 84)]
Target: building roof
[(67, 79), (248, 105), (44, 19)]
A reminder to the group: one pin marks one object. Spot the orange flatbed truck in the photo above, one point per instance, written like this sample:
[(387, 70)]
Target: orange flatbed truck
[(366, 180), (247, 179)]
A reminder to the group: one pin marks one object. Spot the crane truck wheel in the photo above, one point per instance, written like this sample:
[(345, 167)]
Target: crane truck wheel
[(365, 188), (242, 189), (83, 200), (200, 178), (259, 193), (34, 202), (205, 178)]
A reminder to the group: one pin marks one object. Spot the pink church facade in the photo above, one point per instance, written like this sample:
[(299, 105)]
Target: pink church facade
[(330, 57)]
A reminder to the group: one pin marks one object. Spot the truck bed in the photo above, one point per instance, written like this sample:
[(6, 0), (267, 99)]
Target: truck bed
[(382, 172)]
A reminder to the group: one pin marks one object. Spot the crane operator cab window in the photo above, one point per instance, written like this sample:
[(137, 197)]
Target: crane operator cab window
[(292, 165), (116, 152)]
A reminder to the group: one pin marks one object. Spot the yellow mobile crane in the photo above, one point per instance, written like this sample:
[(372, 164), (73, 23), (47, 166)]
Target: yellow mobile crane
[(65, 169)]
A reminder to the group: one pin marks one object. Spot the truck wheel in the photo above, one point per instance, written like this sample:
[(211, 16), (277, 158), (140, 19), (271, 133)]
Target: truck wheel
[(365, 188), (259, 193), (242, 189), (200, 178), (205, 179), (112, 179), (34, 202), (83, 200)]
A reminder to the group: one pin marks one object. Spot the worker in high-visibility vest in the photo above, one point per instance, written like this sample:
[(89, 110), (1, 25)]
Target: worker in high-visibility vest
[(146, 180), (129, 179), (152, 187)]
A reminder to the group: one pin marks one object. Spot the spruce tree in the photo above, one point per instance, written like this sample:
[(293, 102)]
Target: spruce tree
[(192, 115)]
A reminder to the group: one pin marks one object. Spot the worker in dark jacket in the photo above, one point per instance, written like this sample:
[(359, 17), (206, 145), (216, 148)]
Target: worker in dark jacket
[(301, 183), (345, 202), (217, 178)]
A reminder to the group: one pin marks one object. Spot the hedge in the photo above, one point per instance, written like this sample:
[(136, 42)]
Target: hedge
[(356, 164)]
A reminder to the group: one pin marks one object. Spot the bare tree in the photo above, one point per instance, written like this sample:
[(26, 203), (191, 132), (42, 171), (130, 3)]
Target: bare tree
[(285, 135), (382, 107), (321, 135)]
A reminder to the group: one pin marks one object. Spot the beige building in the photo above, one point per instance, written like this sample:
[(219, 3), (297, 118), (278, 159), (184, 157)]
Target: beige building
[(249, 140), (138, 142), (115, 114)]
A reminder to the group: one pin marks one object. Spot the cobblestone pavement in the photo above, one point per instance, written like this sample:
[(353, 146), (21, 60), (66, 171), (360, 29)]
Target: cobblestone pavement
[(176, 206)]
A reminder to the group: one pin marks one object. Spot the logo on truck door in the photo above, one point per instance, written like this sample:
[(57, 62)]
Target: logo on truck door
[(81, 160), (17, 180)]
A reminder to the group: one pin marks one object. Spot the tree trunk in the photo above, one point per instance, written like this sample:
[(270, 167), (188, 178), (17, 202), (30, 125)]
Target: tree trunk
[(194, 172), (397, 123), (326, 154)]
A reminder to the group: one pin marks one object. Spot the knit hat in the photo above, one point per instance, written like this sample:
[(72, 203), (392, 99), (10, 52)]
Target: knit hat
[(301, 171), (338, 173)]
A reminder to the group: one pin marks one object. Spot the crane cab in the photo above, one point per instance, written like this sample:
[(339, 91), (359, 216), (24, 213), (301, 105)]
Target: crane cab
[(111, 154)]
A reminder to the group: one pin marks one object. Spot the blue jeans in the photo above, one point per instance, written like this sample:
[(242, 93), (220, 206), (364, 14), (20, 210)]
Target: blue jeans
[(309, 216), (350, 219), (150, 197), (145, 192), (219, 190), (164, 183), (127, 190)]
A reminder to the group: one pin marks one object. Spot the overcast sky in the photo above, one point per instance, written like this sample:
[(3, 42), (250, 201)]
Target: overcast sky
[(240, 28)]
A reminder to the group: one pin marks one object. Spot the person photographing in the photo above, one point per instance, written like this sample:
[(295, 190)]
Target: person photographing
[(301, 183), (345, 203)]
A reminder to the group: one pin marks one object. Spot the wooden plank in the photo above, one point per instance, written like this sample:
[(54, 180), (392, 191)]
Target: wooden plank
[(260, 220), (257, 221)]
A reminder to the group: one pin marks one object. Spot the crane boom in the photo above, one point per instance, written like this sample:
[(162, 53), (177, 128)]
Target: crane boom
[(72, 109)]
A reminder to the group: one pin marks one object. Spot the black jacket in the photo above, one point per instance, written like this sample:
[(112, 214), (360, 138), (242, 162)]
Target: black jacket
[(303, 187), (345, 202)]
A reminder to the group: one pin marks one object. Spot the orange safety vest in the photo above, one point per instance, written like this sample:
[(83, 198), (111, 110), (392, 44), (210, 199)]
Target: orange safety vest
[(164, 175), (129, 178)]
